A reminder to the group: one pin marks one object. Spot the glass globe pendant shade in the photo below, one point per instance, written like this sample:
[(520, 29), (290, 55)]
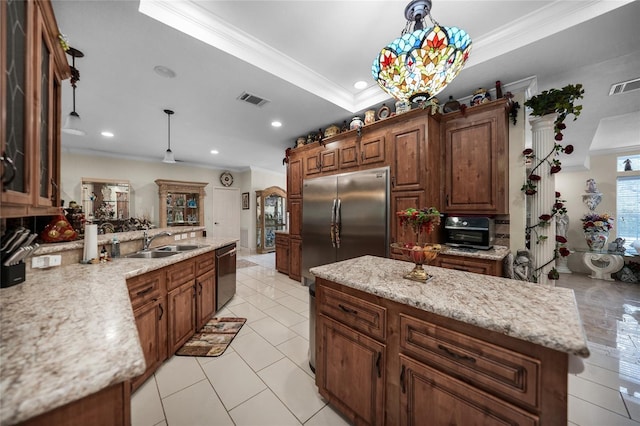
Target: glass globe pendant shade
[(73, 125), (168, 157), (419, 65)]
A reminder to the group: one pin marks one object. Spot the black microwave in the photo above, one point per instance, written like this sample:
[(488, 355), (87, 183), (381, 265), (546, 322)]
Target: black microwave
[(472, 232)]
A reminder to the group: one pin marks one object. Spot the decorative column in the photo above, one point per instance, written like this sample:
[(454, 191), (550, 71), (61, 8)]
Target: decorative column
[(542, 251)]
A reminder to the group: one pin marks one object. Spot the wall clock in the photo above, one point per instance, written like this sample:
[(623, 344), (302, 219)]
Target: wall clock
[(226, 179)]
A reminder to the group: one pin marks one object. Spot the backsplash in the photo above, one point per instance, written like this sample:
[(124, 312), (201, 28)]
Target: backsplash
[(503, 230)]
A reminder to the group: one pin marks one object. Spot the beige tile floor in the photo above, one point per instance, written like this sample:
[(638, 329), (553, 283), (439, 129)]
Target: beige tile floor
[(264, 378)]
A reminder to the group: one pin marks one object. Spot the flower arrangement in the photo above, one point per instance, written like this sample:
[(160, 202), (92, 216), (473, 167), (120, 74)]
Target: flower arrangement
[(420, 220), (597, 222)]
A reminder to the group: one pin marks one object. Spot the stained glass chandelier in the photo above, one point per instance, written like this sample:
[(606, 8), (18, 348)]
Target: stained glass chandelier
[(419, 65)]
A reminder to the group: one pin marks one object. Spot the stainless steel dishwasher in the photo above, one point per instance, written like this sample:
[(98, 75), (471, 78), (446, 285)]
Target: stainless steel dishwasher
[(225, 274)]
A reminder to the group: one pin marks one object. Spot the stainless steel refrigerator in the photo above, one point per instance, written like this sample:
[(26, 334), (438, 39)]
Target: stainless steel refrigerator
[(344, 216)]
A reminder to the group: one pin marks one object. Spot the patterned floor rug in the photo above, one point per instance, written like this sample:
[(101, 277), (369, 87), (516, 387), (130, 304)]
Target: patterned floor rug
[(242, 263), (214, 338)]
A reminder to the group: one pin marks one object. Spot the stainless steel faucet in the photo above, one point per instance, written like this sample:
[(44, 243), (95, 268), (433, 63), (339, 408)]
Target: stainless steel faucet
[(146, 239)]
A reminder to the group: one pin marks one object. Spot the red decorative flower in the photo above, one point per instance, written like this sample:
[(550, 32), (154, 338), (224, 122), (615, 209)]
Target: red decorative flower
[(564, 252), (561, 126), (534, 177), (527, 151), (555, 169), (559, 136), (568, 149), (530, 191), (560, 239), (557, 194), (545, 217), (553, 274)]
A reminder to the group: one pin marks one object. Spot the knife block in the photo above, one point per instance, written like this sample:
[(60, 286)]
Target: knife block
[(12, 274)]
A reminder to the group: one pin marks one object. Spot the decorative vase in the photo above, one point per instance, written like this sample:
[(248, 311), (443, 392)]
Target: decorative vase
[(596, 238), (356, 122), (419, 254)]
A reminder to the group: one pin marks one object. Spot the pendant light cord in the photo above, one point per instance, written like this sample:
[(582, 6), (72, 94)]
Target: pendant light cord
[(169, 130)]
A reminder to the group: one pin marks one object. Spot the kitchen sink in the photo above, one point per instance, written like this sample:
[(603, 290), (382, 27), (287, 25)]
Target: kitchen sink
[(177, 248), (151, 254)]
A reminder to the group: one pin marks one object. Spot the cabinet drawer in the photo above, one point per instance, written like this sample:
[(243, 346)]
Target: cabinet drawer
[(205, 263), (358, 314), (180, 273), (478, 266), (510, 374), (145, 287)]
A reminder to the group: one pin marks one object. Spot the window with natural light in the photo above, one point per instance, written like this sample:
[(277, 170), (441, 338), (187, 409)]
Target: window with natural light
[(628, 200)]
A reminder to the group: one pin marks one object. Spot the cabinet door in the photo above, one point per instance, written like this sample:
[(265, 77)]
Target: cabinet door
[(294, 177), (402, 201), (328, 160), (151, 320), (372, 150), (408, 159), (282, 253), (348, 154), (476, 162), (430, 397), (206, 290), (350, 371), (181, 315), (295, 259), (295, 217), (312, 163)]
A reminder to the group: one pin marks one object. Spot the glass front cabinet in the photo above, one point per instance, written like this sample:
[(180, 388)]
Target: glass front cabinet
[(271, 214), (181, 203)]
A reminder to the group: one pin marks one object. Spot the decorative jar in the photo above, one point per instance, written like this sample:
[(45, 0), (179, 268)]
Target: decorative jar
[(596, 238), (369, 116), (356, 122)]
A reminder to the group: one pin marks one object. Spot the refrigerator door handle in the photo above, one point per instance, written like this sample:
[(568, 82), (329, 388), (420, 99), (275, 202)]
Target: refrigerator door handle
[(338, 222), (332, 226)]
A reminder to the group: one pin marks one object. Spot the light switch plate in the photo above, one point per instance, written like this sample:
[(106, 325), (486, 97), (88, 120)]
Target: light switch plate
[(193, 235), (184, 236)]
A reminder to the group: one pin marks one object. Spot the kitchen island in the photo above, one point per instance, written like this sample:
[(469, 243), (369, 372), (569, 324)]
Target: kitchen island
[(462, 348), (69, 333)]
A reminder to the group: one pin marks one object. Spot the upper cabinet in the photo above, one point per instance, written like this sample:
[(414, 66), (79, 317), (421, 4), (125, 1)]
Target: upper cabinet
[(33, 66), (181, 203), (271, 216), (476, 166)]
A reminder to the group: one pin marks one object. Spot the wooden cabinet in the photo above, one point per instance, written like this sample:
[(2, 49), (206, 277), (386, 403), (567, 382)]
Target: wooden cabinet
[(181, 203), (148, 300), (368, 150), (476, 162), (169, 306), (33, 66), (351, 355), (295, 258), (282, 252), (294, 176), (182, 315), (433, 370), (352, 372), (408, 159), (206, 297), (321, 159), (271, 204), (468, 264)]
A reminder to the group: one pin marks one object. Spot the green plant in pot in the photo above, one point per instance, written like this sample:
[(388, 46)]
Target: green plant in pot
[(563, 103)]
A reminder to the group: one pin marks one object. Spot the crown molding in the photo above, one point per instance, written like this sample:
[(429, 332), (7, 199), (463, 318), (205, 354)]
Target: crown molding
[(190, 18)]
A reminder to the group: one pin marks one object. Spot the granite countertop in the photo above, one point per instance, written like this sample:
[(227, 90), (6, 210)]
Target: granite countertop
[(496, 253), (547, 316), (68, 332)]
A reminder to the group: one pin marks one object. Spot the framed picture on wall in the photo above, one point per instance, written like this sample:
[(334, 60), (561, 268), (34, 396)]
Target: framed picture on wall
[(245, 201)]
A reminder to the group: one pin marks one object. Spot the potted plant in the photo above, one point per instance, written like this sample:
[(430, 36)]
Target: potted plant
[(563, 103)]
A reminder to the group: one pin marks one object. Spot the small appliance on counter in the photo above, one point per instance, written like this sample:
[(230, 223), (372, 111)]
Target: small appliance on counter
[(470, 232)]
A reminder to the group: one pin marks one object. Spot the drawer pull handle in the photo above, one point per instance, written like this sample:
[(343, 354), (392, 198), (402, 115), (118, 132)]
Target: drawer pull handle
[(457, 268), (145, 291), (404, 389), (378, 364), (347, 310), (161, 311), (455, 355)]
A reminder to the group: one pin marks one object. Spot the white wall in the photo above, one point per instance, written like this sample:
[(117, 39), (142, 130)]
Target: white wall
[(517, 173), (572, 185), (141, 176)]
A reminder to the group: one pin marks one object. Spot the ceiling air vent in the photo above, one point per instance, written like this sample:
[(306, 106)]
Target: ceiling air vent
[(252, 99), (625, 86)]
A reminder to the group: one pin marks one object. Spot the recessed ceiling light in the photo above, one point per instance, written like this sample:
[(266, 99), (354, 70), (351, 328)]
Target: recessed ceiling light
[(360, 84), (107, 134), (276, 124), (214, 151), (163, 71)]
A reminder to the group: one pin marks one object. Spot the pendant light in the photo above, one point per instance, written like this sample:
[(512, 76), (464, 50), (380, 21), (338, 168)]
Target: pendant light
[(420, 64), (168, 155), (73, 125)]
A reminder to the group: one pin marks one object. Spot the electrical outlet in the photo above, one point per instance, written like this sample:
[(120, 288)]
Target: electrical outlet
[(176, 237), (184, 236), (193, 235), (55, 260), (40, 262)]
